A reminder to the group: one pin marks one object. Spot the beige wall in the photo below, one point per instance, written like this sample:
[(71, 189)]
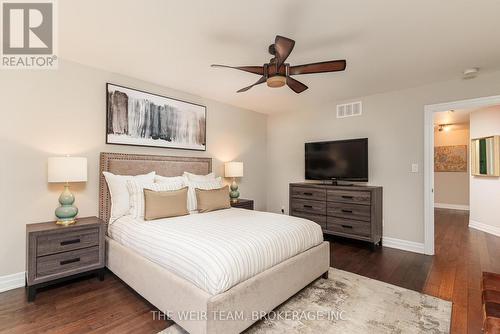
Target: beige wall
[(485, 191), (51, 113), (394, 124), (452, 187)]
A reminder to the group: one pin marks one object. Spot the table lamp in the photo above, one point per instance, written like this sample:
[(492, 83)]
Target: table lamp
[(66, 170), (233, 169)]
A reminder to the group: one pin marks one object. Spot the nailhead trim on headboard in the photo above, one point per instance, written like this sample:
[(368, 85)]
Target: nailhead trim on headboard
[(188, 164)]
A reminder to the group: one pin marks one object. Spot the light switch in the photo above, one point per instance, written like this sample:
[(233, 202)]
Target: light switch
[(414, 168)]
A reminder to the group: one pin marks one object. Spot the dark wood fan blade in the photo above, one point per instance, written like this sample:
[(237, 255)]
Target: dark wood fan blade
[(251, 69), (283, 47), (296, 86), (326, 66), (261, 80)]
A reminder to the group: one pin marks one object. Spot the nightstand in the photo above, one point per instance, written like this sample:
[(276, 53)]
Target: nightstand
[(243, 203), (55, 253)]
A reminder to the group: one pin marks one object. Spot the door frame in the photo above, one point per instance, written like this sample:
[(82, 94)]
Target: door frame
[(429, 111)]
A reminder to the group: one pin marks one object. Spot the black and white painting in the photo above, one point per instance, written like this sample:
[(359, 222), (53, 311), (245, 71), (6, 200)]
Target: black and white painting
[(139, 118)]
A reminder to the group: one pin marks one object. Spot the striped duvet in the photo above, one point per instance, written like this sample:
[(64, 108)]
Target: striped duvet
[(217, 250)]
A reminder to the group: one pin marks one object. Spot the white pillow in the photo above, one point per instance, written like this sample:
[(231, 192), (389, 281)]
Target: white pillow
[(136, 191), (117, 185), (199, 178), (215, 183), (161, 179)]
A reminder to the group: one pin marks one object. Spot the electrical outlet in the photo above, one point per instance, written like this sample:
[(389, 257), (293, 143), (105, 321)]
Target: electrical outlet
[(414, 168)]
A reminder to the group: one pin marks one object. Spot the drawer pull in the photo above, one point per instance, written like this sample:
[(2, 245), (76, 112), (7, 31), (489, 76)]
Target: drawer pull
[(308, 206), (346, 211), (76, 259), (308, 194), (347, 197), (346, 226), (69, 242)]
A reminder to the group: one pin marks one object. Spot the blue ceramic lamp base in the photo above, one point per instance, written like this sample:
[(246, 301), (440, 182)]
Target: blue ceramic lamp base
[(66, 212)]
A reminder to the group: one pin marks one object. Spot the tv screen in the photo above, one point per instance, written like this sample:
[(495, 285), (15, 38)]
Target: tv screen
[(342, 160)]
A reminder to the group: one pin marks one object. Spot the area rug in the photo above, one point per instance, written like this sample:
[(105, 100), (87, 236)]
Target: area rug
[(349, 303)]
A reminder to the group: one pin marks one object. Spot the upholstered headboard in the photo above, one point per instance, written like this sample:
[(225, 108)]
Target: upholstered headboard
[(134, 164)]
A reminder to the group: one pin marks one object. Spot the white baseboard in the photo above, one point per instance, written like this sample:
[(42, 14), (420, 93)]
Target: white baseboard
[(405, 245), (485, 228), (451, 206), (13, 281)]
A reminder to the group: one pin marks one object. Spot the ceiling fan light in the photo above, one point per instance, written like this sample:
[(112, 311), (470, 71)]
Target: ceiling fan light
[(276, 81)]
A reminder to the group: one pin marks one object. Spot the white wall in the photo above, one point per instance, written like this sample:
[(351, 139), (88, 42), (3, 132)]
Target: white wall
[(452, 188), (485, 191), (49, 113), (394, 124)]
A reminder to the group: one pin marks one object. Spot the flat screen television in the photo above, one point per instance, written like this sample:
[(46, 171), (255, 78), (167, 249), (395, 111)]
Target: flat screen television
[(337, 160)]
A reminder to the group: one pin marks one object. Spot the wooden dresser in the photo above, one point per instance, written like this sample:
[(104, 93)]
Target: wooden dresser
[(348, 211)]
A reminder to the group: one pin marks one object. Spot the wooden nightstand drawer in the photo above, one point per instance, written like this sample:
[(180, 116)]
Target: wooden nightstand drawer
[(243, 204), (80, 260), (67, 241)]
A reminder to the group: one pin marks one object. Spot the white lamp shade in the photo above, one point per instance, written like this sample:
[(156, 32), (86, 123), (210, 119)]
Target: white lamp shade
[(67, 169), (233, 169)]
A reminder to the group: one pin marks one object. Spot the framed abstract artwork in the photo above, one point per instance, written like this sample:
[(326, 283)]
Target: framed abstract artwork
[(134, 117), (450, 158)]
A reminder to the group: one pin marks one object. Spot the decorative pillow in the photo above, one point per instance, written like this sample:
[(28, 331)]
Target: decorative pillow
[(136, 192), (162, 179), (211, 200), (199, 178), (165, 204), (120, 198), (206, 185)]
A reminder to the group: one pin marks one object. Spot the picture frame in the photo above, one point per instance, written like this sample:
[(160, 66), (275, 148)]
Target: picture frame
[(450, 159), (139, 118)]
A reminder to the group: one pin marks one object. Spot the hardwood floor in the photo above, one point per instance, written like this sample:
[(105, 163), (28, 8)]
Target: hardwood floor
[(87, 305), (454, 273)]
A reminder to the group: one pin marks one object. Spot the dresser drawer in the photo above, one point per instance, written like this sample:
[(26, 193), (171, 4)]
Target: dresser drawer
[(309, 193), (318, 219), (348, 226), (72, 239), (349, 196), (68, 261), (309, 206), (349, 211)]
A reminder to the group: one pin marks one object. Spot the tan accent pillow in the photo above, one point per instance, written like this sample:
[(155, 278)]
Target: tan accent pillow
[(214, 199), (164, 204)]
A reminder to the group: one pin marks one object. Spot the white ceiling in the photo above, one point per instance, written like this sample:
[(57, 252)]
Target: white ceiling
[(388, 45), (458, 116)]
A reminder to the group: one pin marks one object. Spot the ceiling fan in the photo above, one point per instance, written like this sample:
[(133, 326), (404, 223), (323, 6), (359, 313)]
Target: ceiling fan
[(277, 73)]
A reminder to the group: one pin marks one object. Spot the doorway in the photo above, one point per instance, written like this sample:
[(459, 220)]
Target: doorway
[(429, 143)]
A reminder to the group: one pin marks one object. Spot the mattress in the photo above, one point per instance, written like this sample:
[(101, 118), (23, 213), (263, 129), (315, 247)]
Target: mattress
[(219, 249)]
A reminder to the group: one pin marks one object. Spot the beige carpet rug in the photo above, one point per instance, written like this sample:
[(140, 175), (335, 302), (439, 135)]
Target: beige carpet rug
[(349, 303)]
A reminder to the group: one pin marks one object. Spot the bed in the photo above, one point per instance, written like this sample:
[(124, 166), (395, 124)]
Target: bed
[(202, 306)]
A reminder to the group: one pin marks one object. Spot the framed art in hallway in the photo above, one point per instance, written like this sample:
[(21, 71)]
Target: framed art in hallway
[(139, 118), (450, 158)]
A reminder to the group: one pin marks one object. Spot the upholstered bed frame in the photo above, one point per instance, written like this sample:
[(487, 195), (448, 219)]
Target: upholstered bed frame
[(176, 296)]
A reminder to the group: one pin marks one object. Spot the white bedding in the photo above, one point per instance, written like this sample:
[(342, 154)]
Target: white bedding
[(219, 249)]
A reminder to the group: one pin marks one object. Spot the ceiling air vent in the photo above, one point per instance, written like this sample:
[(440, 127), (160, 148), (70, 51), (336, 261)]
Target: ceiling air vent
[(349, 109)]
